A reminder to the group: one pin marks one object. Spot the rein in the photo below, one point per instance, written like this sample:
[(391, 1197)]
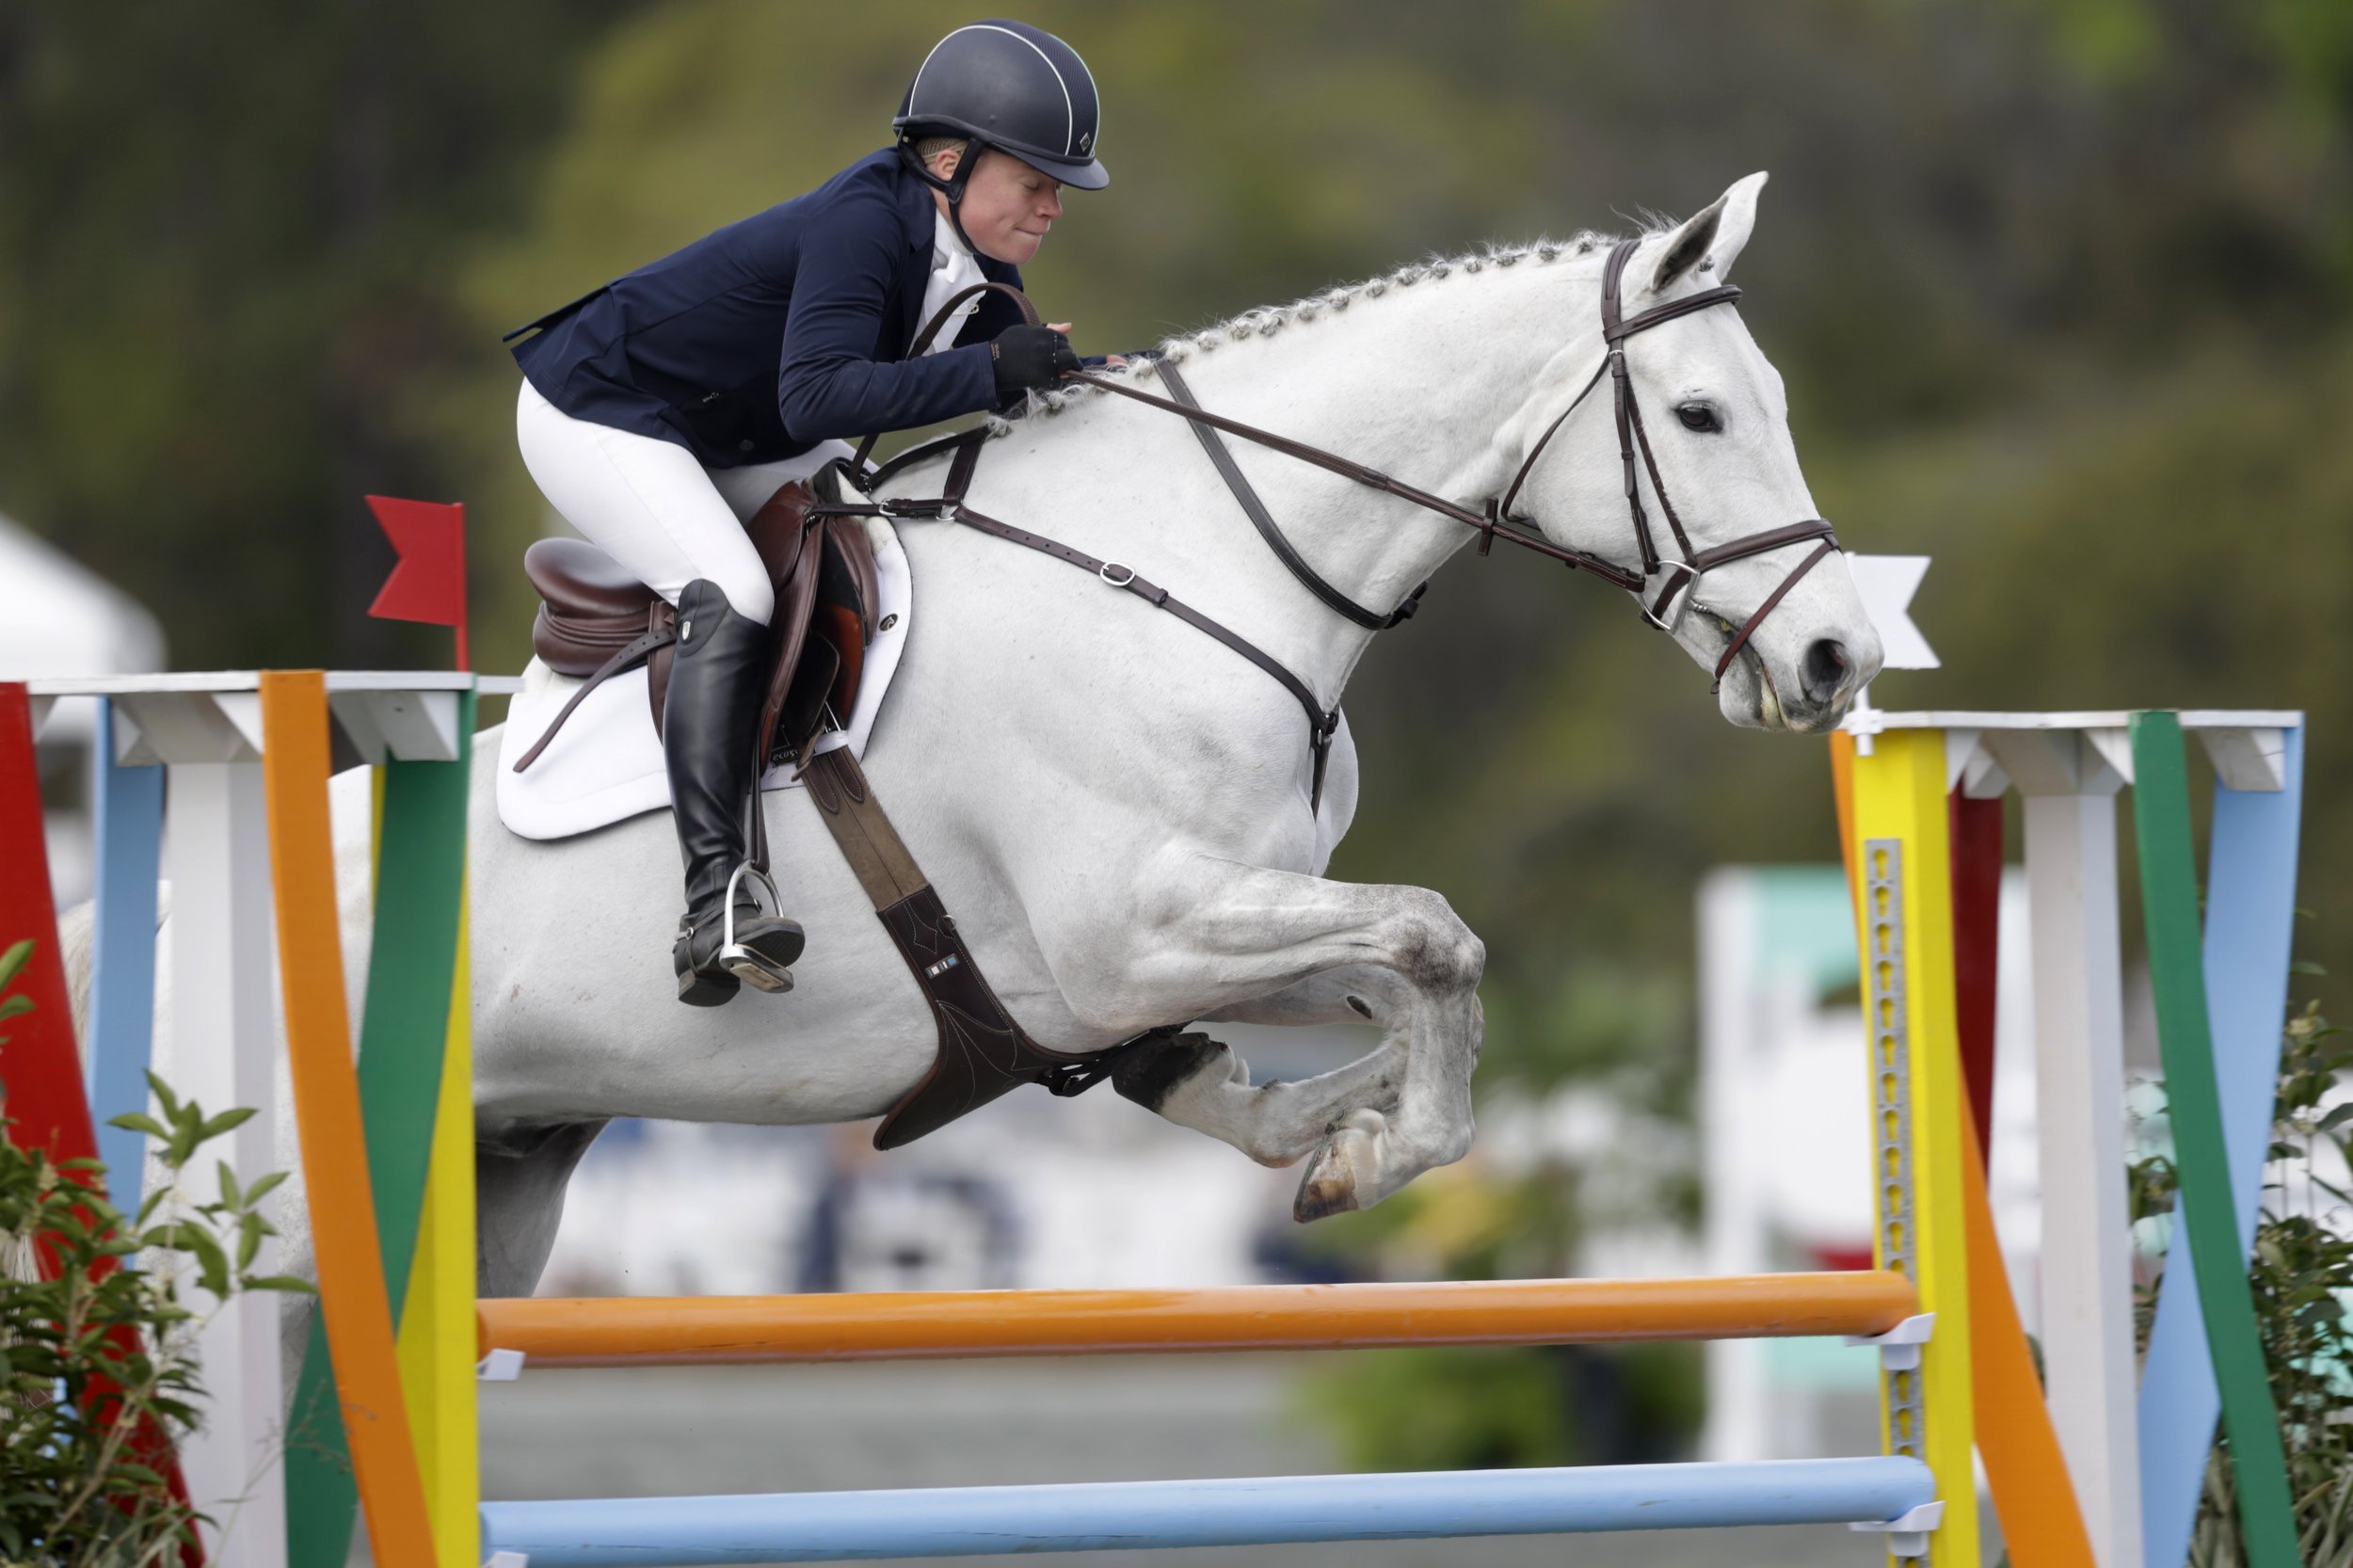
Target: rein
[(1490, 525), (1493, 521), (1497, 519)]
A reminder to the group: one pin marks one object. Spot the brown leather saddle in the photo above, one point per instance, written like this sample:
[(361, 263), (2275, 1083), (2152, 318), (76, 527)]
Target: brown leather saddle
[(596, 621)]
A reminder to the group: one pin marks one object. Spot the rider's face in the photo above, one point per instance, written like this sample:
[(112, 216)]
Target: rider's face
[(1008, 207)]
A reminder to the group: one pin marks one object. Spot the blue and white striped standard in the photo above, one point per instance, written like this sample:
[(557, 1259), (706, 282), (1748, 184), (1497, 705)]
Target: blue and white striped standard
[(971, 1521)]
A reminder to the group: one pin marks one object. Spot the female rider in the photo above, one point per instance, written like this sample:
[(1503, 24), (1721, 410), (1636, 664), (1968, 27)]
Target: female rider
[(661, 411)]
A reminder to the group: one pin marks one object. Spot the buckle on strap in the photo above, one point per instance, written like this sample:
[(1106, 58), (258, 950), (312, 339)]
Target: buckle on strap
[(1675, 594), (1075, 1078), (1067, 1078), (1071, 1079)]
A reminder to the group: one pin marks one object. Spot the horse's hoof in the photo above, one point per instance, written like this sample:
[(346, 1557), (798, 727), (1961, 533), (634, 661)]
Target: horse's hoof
[(1330, 1186)]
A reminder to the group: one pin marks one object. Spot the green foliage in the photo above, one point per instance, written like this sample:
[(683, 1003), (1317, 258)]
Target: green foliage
[(1452, 1407), (1464, 1221), (1629, 1027), (1458, 1408), (1481, 1407), (12, 964), (226, 244), (96, 1359), (2303, 1280)]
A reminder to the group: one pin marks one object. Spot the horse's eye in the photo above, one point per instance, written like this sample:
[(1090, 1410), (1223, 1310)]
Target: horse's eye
[(1698, 416)]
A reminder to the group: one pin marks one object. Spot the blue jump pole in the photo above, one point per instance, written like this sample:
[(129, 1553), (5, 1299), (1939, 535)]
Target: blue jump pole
[(130, 823), (973, 1521)]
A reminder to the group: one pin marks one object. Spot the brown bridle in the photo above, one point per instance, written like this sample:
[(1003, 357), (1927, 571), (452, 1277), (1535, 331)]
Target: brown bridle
[(1497, 519), (1683, 575), (1494, 520)]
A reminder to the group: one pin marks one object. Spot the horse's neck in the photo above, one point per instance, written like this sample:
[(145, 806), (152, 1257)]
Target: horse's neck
[(1421, 382)]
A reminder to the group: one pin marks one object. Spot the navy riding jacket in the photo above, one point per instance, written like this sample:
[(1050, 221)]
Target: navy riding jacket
[(772, 334)]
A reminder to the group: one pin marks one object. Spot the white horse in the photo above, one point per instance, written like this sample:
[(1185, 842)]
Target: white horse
[(1116, 806)]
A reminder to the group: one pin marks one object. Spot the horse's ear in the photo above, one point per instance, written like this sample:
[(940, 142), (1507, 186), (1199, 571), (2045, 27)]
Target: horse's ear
[(1710, 238)]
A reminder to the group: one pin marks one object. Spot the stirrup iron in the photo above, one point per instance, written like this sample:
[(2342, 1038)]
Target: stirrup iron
[(749, 965)]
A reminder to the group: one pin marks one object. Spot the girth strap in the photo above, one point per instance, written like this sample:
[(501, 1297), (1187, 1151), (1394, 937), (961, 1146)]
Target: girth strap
[(1372, 620), (984, 1051)]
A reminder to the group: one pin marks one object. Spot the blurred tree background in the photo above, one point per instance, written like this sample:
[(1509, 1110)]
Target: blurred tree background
[(2060, 289)]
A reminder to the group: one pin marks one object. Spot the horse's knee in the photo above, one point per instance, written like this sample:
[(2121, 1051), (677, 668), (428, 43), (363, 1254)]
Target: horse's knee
[(1432, 948), (1422, 1137), (1442, 1145)]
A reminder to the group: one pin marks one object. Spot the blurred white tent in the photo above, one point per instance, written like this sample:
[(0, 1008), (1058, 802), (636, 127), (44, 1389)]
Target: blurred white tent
[(59, 617)]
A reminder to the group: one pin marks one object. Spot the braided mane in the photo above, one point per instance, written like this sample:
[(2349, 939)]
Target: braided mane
[(1266, 320)]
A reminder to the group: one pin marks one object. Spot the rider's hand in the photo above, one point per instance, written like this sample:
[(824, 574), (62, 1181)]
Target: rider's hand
[(1024, 357)]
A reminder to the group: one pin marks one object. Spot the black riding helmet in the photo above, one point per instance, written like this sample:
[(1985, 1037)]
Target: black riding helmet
[(1009, 85)]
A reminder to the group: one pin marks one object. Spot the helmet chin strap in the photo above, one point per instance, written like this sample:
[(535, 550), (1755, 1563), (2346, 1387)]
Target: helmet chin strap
[(952, 186)]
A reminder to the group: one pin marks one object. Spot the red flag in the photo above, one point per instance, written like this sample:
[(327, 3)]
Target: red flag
[(429, 584)]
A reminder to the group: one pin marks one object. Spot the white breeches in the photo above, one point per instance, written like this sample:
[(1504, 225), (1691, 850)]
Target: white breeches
[(652, 507)]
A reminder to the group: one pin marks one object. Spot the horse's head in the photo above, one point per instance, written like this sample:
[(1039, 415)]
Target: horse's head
[(1703, 435)]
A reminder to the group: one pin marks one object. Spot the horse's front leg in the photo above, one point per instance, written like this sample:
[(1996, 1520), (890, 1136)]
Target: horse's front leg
[(1203, 1084), (1228, 939)]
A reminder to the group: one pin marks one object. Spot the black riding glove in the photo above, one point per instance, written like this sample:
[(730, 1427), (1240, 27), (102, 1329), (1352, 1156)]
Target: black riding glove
[(1023, 357)]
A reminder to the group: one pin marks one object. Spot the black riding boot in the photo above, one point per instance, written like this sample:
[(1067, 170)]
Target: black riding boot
[(709, 719)]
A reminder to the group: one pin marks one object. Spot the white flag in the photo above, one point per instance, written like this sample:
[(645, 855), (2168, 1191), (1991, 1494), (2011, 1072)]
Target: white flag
[(1886, 584)]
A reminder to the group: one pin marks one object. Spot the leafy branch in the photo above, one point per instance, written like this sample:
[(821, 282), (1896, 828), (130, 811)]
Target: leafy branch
[(98, 1376), (2302, 1274)]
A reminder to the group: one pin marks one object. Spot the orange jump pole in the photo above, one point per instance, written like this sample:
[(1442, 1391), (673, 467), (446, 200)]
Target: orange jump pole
[(943, 1326)]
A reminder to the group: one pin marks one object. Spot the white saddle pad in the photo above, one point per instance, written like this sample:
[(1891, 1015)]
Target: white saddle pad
[(606, 763)]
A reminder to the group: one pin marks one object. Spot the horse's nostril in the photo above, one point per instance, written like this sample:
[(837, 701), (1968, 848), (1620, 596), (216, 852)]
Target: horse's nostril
[(1827, 667)]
